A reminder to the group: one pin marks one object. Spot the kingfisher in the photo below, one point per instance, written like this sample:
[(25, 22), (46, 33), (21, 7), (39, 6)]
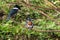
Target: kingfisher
[(13, 11), (29, 23)]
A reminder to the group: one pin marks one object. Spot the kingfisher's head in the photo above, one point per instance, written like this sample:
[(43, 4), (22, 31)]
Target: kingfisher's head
[(17, 6), (29, 19)]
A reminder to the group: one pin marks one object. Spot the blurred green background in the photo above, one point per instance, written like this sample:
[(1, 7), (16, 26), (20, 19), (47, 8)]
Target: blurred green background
[(14, 28)]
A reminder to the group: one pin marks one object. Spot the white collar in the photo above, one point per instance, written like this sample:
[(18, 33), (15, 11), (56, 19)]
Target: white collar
[(15, 8)]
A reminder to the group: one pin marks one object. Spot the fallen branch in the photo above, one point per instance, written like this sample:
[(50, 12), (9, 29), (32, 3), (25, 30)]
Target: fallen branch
[(33, 8), (46, 30)]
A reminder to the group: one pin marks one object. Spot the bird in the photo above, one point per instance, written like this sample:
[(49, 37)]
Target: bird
[(29, 23), (13, 11)]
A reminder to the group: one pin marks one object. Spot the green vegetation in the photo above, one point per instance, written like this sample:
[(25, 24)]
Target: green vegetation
[(14, 28)]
